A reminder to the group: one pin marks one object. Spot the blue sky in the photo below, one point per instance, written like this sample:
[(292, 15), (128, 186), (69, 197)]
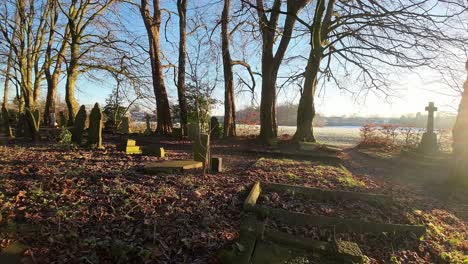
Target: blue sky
[(412, 91)]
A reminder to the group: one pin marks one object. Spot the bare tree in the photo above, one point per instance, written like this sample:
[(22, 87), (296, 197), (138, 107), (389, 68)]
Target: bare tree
[(81, 16), (229, 102), (53, 61), (27, 40), (6, 86), (153, 26), (366, 38), (182, 10), (271, 59)]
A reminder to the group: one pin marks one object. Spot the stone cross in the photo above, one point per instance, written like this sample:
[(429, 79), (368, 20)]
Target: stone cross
[(430, 118)]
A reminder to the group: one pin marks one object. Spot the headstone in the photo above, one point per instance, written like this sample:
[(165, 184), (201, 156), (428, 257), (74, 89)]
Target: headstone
[(53, 120), (201, 149), (95, 127), (6, 122), (148, 130), (429, 139), (124, 127), (62, 119), (215, 130), (129, 146), (22, 127), (154, 150), (193, 131), (79, 126), (216, 165)]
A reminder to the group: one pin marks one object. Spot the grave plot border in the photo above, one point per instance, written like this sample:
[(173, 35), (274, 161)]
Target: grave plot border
[(339, 224), (297, 155), (253, 231)]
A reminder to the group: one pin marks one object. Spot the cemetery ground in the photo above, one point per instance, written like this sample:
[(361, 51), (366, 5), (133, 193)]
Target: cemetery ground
[(76, 205)]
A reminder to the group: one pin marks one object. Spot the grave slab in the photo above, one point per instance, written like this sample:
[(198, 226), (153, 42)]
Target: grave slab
[(172, 166)]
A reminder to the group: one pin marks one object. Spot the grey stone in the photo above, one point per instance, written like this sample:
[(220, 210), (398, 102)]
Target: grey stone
[(429, 139), (124, 127), (148, 130), (215, 130)]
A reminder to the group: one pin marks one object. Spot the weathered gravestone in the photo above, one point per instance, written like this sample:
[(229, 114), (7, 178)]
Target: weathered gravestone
[(148, 130), (1, 122), (201, 149), (429, 139), (95, 127), (6, 128), (215, 130), (193, 130), (52, 119), (79, 126), (216, 165), (460, 139), (21, 126), (124, 127), (62, 119)]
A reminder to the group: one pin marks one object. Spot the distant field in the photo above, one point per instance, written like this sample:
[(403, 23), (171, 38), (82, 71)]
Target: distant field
[(337, 135)]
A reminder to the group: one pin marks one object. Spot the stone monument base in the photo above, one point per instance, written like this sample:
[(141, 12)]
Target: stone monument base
[(428, 143)]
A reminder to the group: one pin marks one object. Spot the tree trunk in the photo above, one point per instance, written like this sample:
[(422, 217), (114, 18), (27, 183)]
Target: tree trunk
[(268, 125), (229, 102), (52, 77), (72, 76), (152, 25), (271, 61), (182, 9), (51, 99), (460, 140), (72, 105), (6, 87), (306, 108)]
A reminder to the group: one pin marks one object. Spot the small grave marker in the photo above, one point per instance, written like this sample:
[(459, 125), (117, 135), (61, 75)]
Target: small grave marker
[(130, 147), (216, 165)]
